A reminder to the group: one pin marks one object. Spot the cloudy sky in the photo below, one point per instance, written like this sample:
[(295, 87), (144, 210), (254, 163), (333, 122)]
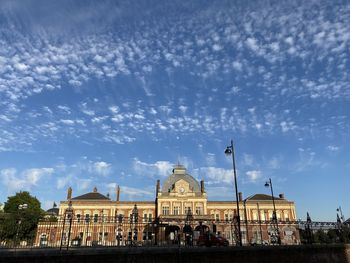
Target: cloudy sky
[(106, 93)]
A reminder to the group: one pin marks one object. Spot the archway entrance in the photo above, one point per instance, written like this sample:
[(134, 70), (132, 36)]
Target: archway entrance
[(202, 229), (172, 234), (188, 235), (148, 234)]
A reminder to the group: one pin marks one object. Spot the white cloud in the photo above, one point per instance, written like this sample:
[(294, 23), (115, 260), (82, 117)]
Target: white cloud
[(102, 168), (332, 148), (63, 181), (159, 168), (14, 181), (215, 175), (222, 192), (274, 163), (237, 65), (83, 184), (210, 159), (252, 44), (135, 193), (32, 176), (68, 122), (248, 160), (254, 175)]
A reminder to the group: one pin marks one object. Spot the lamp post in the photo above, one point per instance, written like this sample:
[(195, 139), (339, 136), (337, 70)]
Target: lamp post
[(246, 219), (230, 151), (274, 215), (20, 208), (70, 217), (135, 217), (260, 228), (341, 214), (68, 212)]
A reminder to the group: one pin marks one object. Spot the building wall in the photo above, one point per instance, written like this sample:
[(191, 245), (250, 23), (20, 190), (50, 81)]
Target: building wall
[(184, 202)]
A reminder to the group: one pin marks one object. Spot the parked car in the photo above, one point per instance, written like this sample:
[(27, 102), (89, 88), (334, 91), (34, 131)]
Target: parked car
[(211, 239)]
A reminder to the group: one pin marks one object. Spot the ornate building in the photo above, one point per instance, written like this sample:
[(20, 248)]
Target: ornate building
[(180, 213)]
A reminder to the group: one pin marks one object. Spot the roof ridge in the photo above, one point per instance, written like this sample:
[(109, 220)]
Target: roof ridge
[(91, 196)]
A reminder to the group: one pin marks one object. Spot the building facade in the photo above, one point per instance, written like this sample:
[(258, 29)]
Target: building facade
[(180, 213)]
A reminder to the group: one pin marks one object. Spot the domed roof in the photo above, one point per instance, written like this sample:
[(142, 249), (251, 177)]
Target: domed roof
[(179, 172)]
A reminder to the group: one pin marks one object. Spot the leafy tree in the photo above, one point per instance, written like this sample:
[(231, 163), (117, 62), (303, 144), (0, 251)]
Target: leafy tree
[(321, 237), (333, 236), (20, 224)]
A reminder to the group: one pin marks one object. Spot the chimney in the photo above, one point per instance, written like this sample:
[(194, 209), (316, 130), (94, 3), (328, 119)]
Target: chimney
[(281, 196), (69, 193), (240, 196), (202, 186), (118, 193), (157, 187)]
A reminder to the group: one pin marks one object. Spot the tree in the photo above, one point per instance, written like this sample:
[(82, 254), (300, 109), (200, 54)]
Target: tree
[(20, 224)]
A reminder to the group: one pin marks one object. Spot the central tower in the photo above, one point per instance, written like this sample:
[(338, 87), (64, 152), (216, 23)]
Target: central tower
[(181, 193)]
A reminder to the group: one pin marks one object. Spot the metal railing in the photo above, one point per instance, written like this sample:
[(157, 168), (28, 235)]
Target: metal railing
[(69, 231)]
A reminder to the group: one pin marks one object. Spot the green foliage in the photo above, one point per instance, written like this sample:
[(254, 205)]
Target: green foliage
[(11, 206), (332, 236), (20, 224)]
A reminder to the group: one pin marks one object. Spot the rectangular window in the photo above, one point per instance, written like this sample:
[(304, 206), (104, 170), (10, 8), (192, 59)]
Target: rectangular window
[(176, 210), (78, 218), (104, 218), (145, 218), (217, 217), (262, 216), (198, 210), (226, 217), (87, 218), (95, 218), (165, 210), (187, 209), (149, 217)]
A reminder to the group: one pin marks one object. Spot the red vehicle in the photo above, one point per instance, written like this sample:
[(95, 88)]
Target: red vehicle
[(210, 239)]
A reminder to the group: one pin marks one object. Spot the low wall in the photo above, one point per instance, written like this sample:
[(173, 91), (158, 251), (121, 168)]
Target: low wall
[(285, 254)]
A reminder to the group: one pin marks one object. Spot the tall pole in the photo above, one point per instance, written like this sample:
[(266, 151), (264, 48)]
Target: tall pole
[(246, 219), (70, 228), (64, 223), (274, 212), (341, 214), (261, 237), (229, 150)]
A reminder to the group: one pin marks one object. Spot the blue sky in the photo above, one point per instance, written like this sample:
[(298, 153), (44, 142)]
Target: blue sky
[(106, 93)]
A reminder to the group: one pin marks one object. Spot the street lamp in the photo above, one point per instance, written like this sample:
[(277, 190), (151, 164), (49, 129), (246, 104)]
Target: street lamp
[(230, 151), (341, 214), (135, 215), (68, 213), (70, 217), (274, 215), (20, 208)]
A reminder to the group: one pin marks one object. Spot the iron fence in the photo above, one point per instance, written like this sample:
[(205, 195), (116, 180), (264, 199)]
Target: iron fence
[(69, 231)]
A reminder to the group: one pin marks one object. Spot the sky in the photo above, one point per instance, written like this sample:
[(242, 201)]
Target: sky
[(107, 93)]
